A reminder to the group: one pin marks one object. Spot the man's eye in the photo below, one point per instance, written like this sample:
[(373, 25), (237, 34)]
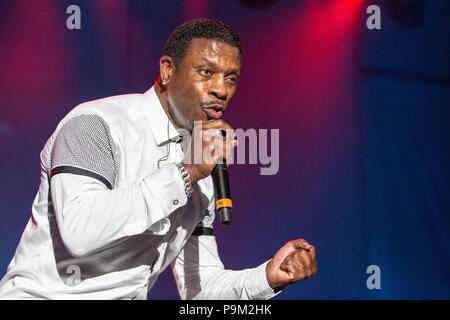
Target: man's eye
[(205, 72), (232, 80)]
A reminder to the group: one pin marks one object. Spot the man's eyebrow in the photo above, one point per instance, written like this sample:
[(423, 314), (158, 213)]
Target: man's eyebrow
[(215, 66)]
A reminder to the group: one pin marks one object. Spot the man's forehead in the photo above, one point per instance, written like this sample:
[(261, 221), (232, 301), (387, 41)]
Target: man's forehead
[(200, 47)]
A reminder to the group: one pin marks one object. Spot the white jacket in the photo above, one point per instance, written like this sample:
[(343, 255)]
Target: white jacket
[(111, 213)]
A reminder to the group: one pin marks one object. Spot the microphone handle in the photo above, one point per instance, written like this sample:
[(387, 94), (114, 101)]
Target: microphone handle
[(224, 205)]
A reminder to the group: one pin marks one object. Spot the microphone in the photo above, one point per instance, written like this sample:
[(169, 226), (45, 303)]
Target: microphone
[(224, 205)]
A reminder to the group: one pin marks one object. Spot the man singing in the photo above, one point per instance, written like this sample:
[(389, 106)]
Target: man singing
[(120, 198)]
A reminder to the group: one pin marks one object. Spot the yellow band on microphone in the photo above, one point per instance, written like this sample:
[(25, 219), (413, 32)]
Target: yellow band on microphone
[(224, 202)]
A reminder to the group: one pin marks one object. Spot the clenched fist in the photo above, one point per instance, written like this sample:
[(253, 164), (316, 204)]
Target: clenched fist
[(295, 261)]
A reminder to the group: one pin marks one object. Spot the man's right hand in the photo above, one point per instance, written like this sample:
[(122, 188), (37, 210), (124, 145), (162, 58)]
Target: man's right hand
[(205, 148)]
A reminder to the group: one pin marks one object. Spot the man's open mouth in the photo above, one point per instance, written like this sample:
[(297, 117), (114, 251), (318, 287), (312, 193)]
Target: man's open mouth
[(214, 112)]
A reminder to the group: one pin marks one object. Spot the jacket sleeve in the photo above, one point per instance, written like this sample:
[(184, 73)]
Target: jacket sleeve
[(200, 273), (90, 212)]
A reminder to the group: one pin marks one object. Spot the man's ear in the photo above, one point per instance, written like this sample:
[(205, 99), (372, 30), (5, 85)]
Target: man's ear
[(166, 68)]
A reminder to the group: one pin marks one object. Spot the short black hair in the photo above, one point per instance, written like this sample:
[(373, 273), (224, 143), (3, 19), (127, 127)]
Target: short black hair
[(178, 42)]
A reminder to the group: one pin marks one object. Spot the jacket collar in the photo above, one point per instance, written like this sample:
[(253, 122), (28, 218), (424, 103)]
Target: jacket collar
[(162, 128)]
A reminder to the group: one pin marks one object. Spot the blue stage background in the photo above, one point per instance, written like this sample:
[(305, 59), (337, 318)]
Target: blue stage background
[(363, 117)]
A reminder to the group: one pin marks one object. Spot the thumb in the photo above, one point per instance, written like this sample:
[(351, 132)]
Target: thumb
[(301, 244)]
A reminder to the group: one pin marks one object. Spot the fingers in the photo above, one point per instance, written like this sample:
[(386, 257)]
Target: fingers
[(301, 263), (305, 260), (301, 244), (312, 252), (224, 149), (206, 147), (293, 270), (221, 147), (211, 125), (295, 261)]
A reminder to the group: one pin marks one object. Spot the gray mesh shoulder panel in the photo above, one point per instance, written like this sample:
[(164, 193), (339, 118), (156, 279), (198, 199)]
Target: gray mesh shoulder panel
[(85, 142)]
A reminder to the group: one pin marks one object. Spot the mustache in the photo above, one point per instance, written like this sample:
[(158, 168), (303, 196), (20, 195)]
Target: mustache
[(209, 104)]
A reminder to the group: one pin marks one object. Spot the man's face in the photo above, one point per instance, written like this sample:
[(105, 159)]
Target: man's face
[(204, 82)]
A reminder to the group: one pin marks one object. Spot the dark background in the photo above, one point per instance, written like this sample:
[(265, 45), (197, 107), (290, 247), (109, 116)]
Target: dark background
[(363, 117)]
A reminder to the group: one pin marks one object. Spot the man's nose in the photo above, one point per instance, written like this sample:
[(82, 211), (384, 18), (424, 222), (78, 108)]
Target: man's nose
[(218, 89)]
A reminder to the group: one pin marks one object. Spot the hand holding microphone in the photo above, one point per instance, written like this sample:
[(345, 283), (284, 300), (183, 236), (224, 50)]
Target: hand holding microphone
[(211, 145)]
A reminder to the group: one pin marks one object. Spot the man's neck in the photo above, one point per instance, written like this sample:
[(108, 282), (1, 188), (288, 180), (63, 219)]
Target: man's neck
[(162, 96)]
